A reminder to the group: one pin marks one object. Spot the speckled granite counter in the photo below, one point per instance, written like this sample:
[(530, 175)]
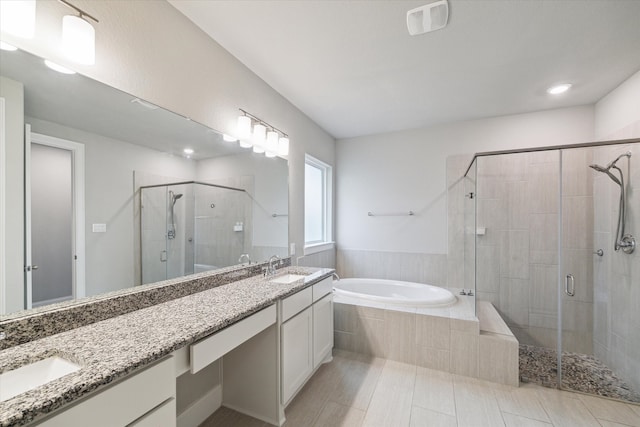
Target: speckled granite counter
[(113, 348)]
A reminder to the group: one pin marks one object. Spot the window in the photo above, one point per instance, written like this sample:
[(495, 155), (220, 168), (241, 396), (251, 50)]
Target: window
[(317, 204)]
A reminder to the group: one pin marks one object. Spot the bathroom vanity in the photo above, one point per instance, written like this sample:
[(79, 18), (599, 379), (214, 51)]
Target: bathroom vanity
[(268, 335)]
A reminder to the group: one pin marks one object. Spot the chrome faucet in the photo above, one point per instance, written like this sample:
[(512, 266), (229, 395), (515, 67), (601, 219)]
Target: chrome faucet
[(335, 276), (243, 256), (271, 270)]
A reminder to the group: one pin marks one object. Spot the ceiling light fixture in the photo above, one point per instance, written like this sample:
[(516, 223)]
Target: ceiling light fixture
[(18, 17), (188, 151), (8, 47), (558, 89), (57, 67), (273, 142), (78, 36)]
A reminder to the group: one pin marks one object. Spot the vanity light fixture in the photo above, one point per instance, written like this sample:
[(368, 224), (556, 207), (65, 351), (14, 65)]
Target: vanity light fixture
[(265, 138), (558, 89), (57, 67), (8, 47), (78, 36), (18, 17)]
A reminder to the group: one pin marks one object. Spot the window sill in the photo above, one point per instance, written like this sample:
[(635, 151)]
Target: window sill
[(318, 247)]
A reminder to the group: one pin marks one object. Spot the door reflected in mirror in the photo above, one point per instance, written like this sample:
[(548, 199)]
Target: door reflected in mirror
[(138, 224)]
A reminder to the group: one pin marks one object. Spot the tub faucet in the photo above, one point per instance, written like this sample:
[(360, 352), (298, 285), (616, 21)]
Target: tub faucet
[(335, 276), (271, 270), (243, 256)]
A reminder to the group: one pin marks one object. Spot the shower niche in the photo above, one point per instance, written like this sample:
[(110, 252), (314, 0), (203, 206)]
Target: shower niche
[(558, 261), (192, 227)]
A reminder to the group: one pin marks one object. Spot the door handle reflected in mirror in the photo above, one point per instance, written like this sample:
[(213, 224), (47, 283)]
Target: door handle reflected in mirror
[(29, 268), (570, 291)]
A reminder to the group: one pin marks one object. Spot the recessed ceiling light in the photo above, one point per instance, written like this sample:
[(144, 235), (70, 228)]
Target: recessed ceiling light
[(58, 68), (558, 89), (188, 151), (7, 46)]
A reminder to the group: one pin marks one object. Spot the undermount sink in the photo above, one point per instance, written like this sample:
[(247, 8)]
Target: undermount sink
[(287, 278), (33, 375)]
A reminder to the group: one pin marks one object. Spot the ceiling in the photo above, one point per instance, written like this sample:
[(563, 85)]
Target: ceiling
[(353, 68)]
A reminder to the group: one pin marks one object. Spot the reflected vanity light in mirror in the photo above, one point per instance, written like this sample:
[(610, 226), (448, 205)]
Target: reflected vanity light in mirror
[(283, 146), (229, 138), (259, 132), (8, 47), (57, 67)]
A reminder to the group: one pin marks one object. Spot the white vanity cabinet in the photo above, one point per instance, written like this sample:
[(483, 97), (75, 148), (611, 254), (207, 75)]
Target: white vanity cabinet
[(141, 399), (306, 335)]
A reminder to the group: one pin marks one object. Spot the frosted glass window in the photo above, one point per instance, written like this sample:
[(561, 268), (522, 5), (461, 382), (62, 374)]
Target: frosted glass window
[(316, 201)]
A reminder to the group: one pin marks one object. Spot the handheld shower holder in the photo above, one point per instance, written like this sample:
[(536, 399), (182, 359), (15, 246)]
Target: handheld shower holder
[(627, 244)]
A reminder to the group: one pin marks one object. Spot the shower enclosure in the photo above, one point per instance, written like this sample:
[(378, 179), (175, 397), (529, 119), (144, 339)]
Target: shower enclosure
[(552, 246), (191, 227)]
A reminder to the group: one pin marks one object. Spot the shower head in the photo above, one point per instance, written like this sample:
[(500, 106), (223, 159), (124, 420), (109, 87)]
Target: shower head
[(174, 197), (599, 168)]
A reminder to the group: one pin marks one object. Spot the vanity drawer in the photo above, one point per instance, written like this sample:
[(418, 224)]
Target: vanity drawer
[(210, 349), (123, 402), (322, 288), (296, 303)]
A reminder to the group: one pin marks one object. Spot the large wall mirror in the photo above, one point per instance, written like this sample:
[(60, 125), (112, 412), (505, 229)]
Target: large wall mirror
[(112, 200)]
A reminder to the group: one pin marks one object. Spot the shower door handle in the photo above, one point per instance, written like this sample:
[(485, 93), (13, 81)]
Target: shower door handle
[(571, 291)]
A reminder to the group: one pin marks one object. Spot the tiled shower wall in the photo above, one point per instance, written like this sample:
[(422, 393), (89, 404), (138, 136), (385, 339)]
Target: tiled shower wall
[(617, 275)]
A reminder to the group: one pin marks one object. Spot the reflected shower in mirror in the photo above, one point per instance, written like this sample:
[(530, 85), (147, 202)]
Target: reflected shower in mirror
[(119, 144)]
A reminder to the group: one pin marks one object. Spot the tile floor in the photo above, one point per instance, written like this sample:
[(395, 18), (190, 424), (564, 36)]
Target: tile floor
[(358, 390)]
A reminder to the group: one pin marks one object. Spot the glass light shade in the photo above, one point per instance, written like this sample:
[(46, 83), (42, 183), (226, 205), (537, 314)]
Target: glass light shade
[(283, 146), (243, 128), (245, 143), (18, 17), (229, 138), (259, 132), (272, 143), (78, 40)]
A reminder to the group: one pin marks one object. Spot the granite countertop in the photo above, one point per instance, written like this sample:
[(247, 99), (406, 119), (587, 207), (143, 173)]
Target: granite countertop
[(113, 348)]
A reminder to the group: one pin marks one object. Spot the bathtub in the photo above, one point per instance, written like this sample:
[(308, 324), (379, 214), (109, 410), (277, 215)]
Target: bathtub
[(395, 292)]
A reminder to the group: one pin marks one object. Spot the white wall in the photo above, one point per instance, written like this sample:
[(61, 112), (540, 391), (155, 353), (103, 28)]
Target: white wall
[(149, 49), (617, 115), (406, 171)]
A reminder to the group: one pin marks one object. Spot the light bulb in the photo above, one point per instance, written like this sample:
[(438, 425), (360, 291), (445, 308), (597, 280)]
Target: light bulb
[(18, 17), (283, 146), (78, 40)]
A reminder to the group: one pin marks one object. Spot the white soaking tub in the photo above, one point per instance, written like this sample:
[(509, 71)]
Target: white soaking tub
[(395, 292)]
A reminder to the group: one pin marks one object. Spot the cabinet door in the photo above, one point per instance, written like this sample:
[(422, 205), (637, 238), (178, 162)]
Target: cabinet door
[(297, 352), (322, 329)]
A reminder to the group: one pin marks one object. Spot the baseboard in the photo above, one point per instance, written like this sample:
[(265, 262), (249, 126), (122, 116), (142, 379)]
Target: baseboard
[(201, 409)]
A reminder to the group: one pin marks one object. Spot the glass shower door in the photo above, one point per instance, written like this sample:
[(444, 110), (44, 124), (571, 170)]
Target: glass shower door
[(598, 286), (153, 226)]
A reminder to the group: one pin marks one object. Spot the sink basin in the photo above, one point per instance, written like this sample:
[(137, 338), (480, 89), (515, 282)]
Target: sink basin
[(287, 278), (33, 375)]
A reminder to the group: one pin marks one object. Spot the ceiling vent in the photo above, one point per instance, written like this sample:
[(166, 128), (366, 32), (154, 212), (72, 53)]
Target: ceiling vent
[(430, 17)]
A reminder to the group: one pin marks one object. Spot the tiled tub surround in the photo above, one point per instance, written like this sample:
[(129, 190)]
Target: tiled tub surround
[(111, 349), (45, 321), (449, 339)]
